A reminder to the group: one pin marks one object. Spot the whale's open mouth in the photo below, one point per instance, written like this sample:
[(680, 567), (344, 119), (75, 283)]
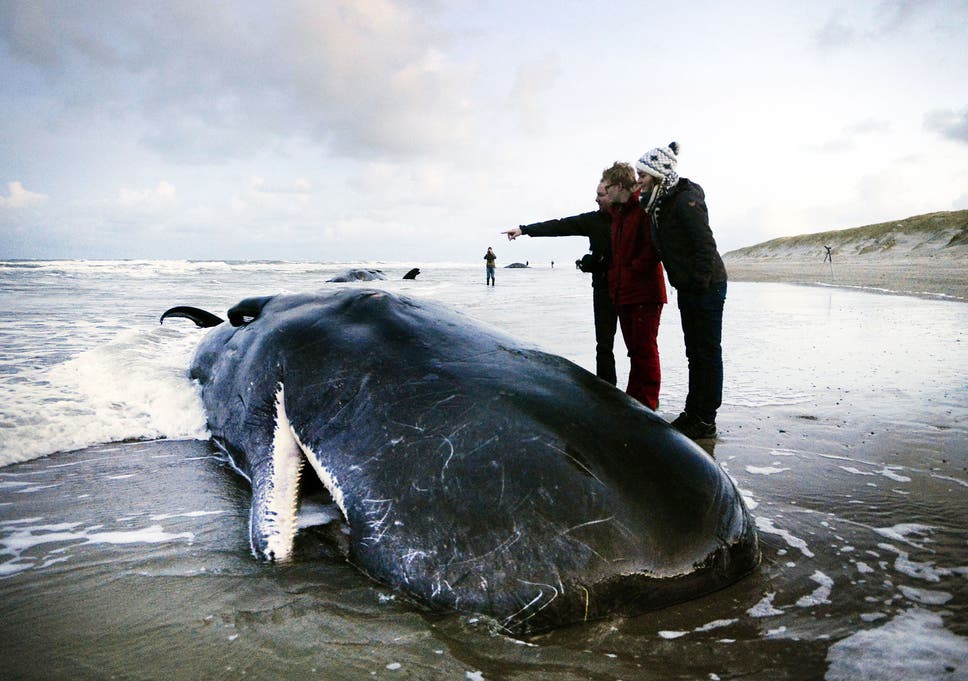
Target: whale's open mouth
[(276, 516)]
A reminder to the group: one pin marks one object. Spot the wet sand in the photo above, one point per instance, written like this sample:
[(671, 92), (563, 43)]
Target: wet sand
[(134, 563), (845, 428), (917, 276)]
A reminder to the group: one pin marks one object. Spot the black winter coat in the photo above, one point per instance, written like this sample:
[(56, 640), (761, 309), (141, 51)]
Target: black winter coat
[(685, 241)]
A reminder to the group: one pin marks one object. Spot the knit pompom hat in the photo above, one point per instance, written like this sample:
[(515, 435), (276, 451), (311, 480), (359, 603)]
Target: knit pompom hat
[(660, 163)]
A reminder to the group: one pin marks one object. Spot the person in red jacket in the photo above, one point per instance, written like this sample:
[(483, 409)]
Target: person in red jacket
[(636, 282)]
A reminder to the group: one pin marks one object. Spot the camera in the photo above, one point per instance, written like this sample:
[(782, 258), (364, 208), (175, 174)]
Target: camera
[(591, 263)]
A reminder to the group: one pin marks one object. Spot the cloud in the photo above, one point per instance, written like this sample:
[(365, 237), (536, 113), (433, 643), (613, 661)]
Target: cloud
[(299, 187), (362, 78), (853, 133), (379, 232), (18, 197), (867, 23), (835, 34), (894, 15), (421, 182), (265, 199), (950, 124), (148, 200), (533, 80), (869, 126)]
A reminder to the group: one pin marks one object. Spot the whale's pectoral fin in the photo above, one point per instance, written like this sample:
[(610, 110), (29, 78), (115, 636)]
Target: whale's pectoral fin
[(202, 318), (275, 489)]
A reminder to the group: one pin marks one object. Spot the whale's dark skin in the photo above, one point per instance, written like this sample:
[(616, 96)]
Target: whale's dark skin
[(357, 275), (475, 473)]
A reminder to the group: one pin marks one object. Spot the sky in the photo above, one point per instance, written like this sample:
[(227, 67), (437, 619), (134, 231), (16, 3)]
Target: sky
[(381, 130)]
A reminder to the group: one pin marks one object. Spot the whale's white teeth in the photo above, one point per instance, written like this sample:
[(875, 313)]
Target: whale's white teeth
[(275, 490), (275, 503), (326, 476)]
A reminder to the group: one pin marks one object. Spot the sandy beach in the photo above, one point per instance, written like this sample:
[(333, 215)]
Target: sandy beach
[(124, 538), (917, 276)]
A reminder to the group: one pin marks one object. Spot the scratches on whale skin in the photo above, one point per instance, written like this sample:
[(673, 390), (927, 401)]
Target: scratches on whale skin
[(362, 465), (228, 458), (577, 462), (446, 440), (485, 443), (590, 522), (442, 401), (412, 555), (442, 585), (590, 550), (411, 426), (524, 500), (443, 469), (377, 526), (407, 559), (567, 534), (513, 618), (343, 404), (511, 539)]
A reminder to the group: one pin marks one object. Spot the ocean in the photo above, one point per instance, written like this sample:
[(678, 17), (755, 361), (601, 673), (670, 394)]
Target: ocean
[(123, 549)]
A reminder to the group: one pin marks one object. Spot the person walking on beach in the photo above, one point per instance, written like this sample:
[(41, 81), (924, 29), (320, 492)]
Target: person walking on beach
[(636, 282), (489, 259), (680, 223), (595, 226)]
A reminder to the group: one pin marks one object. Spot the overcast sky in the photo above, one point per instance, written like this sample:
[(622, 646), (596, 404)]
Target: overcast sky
[(417, 131)]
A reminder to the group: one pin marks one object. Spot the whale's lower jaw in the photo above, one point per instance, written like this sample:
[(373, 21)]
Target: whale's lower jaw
[(273, 519)]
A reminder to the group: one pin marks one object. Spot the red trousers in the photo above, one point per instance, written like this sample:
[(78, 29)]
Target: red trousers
[(640, 327)]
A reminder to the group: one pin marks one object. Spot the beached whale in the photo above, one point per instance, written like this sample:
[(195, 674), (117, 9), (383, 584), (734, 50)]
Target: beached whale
[(357, 275), (474, 472)]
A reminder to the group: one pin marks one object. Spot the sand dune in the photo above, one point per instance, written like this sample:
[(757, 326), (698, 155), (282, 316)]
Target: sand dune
[(925, 255)]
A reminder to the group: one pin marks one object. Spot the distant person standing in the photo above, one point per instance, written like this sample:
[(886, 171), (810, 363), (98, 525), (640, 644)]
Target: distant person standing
[(595, 226), (635, 282), (489, 259), (680, 223)]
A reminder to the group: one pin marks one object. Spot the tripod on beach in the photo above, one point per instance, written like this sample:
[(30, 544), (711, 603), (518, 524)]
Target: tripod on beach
[(829, 257)]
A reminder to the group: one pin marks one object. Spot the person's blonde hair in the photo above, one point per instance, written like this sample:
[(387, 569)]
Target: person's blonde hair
[(621, 174)]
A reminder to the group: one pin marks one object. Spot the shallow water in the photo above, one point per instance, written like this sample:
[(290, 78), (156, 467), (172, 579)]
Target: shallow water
[(844, 424)]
